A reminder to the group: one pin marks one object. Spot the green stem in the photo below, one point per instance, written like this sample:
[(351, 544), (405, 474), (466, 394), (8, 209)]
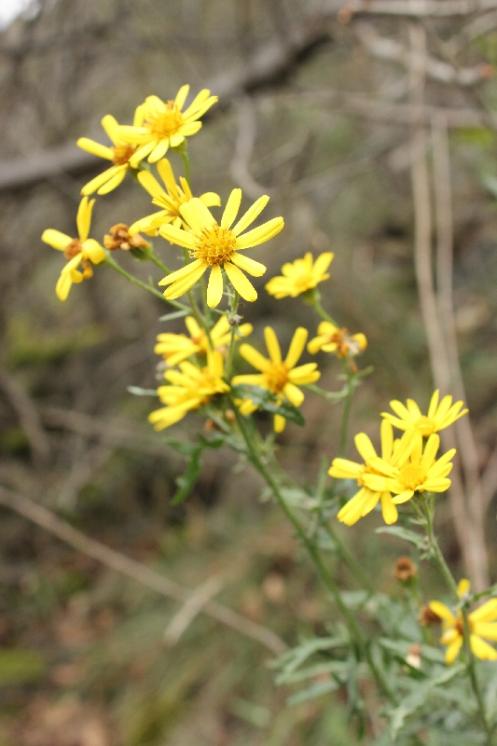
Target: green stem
[(344, 423), (158, 262), (449, 578), (434, 546), (143, 285), (471, 669), (326, 578), (234, 326), (315, 302)]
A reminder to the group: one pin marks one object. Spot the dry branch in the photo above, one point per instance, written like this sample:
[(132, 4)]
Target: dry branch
[(138, 572)]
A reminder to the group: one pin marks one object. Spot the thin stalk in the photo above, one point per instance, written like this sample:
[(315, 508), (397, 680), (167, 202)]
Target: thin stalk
[(315, 302), (159, 263), (475, 685), (143, 285), (234, 326), (313, 552), (344, 423), (449, 578)]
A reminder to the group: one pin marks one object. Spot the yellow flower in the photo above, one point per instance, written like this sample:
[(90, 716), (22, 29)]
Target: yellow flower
[(332, 338), (281, 377), (81, 252), (419, 471), (482, 623), (300, 275), (120, 154), (170, 199), (217, 246), (160, 125), (187, 389), (175, 348), (368, 497), (439, 416)]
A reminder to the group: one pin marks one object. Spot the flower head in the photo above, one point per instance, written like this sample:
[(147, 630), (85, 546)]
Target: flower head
[(418, 471), (120, 239), (175, 348), (169, 197), (160, 125), (80, 252), (187, 389), (119, 154), (300, 275), (368, 496), (281, 377), (440, 414), (482, 626), (216, 247), (332, 338)]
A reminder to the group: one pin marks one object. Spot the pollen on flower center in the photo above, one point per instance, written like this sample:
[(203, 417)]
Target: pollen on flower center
[(215, 246), (168, 122), (426, 426), (276, 377), (73, 248), (122, 153), (411, 476)]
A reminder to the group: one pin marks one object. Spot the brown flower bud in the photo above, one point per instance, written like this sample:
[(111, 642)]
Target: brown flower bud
[(118, 237), (405, 569)]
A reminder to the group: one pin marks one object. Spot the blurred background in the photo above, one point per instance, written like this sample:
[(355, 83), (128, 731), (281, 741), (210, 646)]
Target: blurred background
[(371, 124)]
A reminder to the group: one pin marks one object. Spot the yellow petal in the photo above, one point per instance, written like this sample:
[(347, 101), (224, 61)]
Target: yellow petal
[(83, 218), (95, 148), (56, 239), (296, 346), (240, 282), (261, 234), (232, 208), (272, 344), (215, 287), (252, 213)]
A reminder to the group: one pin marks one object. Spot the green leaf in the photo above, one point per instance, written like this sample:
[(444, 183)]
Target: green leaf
[(266, 401), (174, 315), (312, 692), (188, 479), (420, 697), (138, 391), (405, 534)]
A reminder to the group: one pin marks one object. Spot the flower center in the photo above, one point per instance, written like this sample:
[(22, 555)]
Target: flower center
[(122, 154), (412, 476), (425, 426), (215, 246), (73, 248), (276, 377), (168, 122)]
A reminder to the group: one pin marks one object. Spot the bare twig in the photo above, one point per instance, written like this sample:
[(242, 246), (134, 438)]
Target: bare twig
[(29, 418), (130, 568), (191, 609), (467, 531), (468, 451)]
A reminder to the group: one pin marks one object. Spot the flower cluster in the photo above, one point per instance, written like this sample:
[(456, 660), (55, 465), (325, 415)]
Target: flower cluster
[(481, 626), (407, 465)]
